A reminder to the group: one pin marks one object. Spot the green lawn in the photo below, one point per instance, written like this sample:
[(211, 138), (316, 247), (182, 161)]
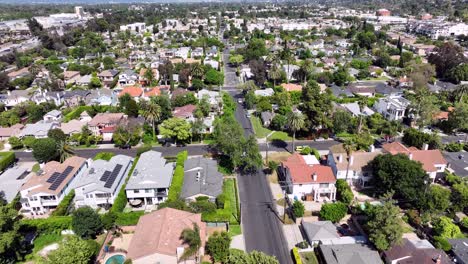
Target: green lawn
[(36, 167), (41, 241), (262, 132), (230, 211), (309, 257), (234, 230)]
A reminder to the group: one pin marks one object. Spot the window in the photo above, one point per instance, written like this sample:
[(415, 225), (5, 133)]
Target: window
[(136, 191), (147, 190), (324, 185)]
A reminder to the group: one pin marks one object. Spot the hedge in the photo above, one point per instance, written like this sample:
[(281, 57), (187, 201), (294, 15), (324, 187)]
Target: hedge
[(231, 211), (49, 225), (131, 218), (297, 257), (6, 159), (62, 208), (178, 178), (76, 113), (121, 200), (104, 156)]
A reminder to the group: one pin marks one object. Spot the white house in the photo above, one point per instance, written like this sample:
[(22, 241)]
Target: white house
[(265, 92), (44, 191), (100, 184), (53, 116), (150, 180), (392, 107), (354, 168), (310, 182)]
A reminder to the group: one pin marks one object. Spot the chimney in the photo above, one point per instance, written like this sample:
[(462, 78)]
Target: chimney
[(314, 176), (8, 92), (371, 148), (410, 156), (340, 158), (425, 146), (351, 160)]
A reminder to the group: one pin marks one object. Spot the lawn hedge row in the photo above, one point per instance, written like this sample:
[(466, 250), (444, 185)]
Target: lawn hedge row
[(62, 208), (52, 224), (231, 211), (6, 159), (178, 178), (297, 257)]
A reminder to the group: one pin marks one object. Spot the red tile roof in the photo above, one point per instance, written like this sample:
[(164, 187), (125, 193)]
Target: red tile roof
[(184, 111), (132, 91), (428, 158), (303, 173), (153, 92), (290, 87)]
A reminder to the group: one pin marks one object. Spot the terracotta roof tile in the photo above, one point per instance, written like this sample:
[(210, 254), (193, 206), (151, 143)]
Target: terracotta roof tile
[(303, 173), (428, 158), (290, 87), (132, 91)]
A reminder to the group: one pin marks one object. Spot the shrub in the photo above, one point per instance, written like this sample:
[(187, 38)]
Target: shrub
[(108, 220), (464, 222), (220, 200), (297, 257), (306, 150), (333, 211), (344, 192), (28, 141), (178, 178), (442, 243), (47, 225), (413, 217), (452, 178), (273, 165), (104, 156), (63, 206), (302, 244), (131, 218), (203, 206), (6, 159), (298, 208), (454, 147), (15, 143), (86, 223), (143, 149)]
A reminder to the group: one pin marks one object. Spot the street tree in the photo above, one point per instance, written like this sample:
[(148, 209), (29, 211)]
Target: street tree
[(86, 222), (295, 123), (44, 149), (316, 106), (152, 114), (176, 128), (57, 135)]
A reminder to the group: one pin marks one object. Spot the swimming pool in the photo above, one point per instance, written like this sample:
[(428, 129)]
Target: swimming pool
[(116, 259)]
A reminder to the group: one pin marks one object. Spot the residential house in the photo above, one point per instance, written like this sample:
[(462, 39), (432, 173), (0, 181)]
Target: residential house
[(134, 92), (102, 96), (290, 69), (392, 107), (201, 178), (39, 129), (213, 97), (213, 63), (150, 180), (307, 181), (320, 232), (265, 92), (70, 77), (355, 110), (460, 250), (43, 192), (266, 118), (185, 112), (415, 251), (128, 77), (405, 82), (75, 97), (11, 181), (353, 168), (23, 72), (73, 126), (182, 52), (433, 162), (457, 162), (16, 97), (348, 253), (197, 52), (100, 184), (53, 116), (291, 87), (13, 131), (142, 78), (362, 90), (157, 237), (107, 77), (104, 124), (212, 52)]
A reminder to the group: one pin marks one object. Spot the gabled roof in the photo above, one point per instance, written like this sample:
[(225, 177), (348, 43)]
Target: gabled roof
[(349, 254), (412, 251), (106, 118), (132, 91), (209, 181), (428, 158), (151, 171), (159, 232), (302, 173), (320, 230), (184, 111)]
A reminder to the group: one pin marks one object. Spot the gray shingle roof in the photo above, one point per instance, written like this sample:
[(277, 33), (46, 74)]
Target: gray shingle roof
[(460, 249), (11, 181), (151, 172), (320, 230), (210, 182), (349, 254)]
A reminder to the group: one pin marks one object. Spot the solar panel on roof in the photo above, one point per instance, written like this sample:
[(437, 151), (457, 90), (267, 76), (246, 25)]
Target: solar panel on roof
[(105, 176), (113, 176), (61, 178), (53, 177)]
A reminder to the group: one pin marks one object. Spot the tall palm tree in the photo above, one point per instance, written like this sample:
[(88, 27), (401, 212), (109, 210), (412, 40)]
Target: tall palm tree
[(198, 71), (349, 146), (64, 151), (295, 123), (149, 76), (307, 68), (274, 73), (460, 92), (191, 237), (152, 113)]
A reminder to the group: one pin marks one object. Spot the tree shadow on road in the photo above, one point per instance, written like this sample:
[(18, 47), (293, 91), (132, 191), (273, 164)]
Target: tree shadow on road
[(280, 144)]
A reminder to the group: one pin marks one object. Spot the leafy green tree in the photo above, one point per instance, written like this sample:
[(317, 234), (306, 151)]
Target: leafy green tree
[(250, 99), (10, 236), (446, 57), (343, 191), (342, 120), (28, 141), (437, 199), (255, 257), (341, 76), (298, 208), (385, 226), (458, 117), (459, 196), (108, 62), (191, 237), (86, 223), (126, 136), (15, 142), (72, 250), (295, 123), (44, 149), (279, 122), (57, 135), (274, 73), (416, 138), (95, 82), (236, 59), (176, 128), (165, 103), (184, 99), (255, 49), (333, 211), (198, 71), (250, 159), (444, 227), (131, 109), (263, 104), (214, 77), (316, 105), (398, 173), (218, 246)]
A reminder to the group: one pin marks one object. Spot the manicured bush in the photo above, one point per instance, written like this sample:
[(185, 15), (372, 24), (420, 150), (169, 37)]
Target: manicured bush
[(86, 222), (413, 217), (47, 225), (178, 178), (121, 200), (131, 218), (297, 257), (442, 243), (220, 200), (62, 208), (298, 208), (333, 211), (6, 159), (454, 147), (344, 192), (104, 156)]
